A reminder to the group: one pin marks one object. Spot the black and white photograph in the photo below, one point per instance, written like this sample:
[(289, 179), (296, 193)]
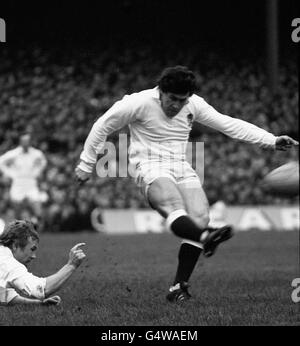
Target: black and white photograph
[(149, 166)]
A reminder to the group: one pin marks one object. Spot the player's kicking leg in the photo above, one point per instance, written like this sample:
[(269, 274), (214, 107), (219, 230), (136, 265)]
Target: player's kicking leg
[(197, 207)]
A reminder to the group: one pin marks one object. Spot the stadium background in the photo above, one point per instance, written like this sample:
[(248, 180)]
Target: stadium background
[(63, 65)]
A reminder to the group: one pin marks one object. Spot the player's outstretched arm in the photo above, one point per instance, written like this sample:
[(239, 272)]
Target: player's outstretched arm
[(55, 281), (119, 115), (284, 143)]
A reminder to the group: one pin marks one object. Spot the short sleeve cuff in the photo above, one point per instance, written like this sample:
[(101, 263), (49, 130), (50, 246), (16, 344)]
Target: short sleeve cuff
[(30, 286)]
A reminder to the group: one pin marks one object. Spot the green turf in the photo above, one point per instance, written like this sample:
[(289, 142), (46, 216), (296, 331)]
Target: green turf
[(125, 278)]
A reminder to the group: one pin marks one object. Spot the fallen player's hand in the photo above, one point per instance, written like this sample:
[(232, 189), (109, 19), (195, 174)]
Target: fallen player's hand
[(82, 176), (76, 255), (284, 143), (55, 300)]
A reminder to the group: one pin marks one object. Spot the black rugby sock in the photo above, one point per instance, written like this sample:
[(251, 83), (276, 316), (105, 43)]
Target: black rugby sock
[(187, 259), (184, 227)]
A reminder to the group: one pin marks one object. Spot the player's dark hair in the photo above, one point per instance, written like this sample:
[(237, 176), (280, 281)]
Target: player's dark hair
[(178, 80), (18, 232)]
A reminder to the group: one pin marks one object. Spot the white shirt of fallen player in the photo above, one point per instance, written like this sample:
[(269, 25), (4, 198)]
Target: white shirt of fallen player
[(24, 168), (159, 139), (15, 280)]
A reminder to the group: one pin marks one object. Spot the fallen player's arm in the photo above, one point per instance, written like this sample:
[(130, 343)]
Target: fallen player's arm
[(32, 287), (9, 296), (55, 281), (55, 300), (23, 300)]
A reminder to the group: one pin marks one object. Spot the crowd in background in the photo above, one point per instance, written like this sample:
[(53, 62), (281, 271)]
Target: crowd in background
[(58, 96)]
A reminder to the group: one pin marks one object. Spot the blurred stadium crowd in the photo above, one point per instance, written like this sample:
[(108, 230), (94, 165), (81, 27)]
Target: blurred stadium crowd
[(58, 96)]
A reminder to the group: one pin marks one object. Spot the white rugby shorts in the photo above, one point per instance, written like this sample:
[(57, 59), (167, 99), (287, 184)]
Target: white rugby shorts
[(19, 193), (178, 172)]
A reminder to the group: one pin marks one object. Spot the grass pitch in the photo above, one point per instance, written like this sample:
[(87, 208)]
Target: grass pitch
[(125, 279)]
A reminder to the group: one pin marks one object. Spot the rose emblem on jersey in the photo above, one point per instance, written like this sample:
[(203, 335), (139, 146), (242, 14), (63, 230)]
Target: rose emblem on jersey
[(190, 119)]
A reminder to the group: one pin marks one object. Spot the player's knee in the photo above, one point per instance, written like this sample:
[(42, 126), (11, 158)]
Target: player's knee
[(166, 206), (201, 219), (164, 198)]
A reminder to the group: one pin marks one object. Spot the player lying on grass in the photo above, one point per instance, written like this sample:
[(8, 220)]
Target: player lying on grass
[(18, 246), (160, 121)]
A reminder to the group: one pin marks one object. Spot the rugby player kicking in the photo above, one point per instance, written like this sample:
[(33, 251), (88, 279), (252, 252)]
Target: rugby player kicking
[(160, 122)]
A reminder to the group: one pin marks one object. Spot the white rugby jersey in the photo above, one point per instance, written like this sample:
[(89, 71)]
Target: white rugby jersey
[(16, 280), (23, 167), (155, 137)]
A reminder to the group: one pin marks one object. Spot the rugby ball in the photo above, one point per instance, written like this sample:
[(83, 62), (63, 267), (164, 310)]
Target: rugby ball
[(283, 181)]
